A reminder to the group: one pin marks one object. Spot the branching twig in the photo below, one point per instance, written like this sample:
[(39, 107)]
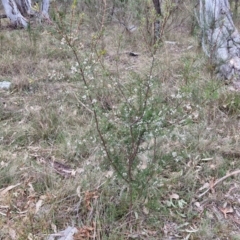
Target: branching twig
[(218, 181)]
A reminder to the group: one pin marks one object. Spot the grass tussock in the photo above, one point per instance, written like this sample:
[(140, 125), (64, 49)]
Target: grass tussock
[(121, 146)]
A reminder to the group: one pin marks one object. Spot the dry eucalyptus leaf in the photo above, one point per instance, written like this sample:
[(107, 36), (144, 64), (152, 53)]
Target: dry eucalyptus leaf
[(195, 115), (78, 190), (12, 233), (109, 174), (54, 227), (225, 211), (174, 196), (38, 205), (199, 206), (205, 186), (133, 236), (67, 234), (145, 210), (3, 192)]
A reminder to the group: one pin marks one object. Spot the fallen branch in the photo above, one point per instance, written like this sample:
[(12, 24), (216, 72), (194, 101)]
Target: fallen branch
[(218, 181), (3, 16)]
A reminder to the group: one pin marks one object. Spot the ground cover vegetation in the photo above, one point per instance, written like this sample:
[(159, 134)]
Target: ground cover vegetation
[(114, 131)]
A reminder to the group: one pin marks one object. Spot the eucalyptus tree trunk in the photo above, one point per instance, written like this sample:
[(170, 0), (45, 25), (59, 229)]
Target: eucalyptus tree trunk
[(18, 11), (44, 9), (220, 38), (157, 23)]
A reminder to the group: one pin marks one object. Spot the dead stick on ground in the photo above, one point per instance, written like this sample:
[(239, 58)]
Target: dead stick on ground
[(82, 103), (218, 181)]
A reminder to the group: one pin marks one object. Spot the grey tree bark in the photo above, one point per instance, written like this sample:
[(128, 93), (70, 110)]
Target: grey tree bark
[(18, 10), (157, 23), (220, 38)]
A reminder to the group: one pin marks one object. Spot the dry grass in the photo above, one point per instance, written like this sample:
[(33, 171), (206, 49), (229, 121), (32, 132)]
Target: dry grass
[(52, 170)]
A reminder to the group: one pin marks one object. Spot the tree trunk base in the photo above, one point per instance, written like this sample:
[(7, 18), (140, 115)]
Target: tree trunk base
[(220, 38)]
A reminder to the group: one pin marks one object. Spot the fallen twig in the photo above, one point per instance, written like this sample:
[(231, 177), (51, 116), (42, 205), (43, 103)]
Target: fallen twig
[(82, 103), (3, 16), (218, 181)]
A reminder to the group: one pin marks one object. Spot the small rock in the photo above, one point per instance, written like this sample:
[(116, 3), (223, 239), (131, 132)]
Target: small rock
[(5, 85), (133, 54)]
